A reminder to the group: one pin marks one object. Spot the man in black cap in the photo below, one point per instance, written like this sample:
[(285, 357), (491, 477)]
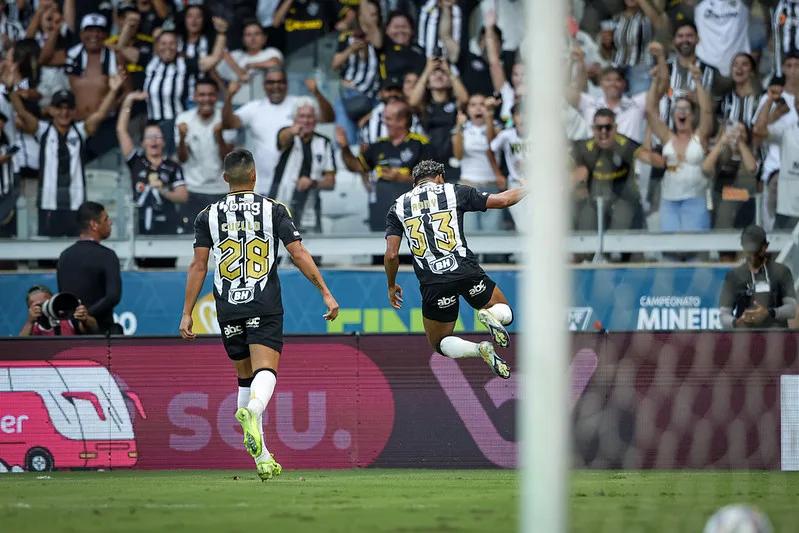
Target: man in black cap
[(759, 293), (62, 142)]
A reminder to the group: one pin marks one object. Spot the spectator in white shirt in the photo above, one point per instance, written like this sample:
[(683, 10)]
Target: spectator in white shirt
[(248, 65), (202, 147), (265, 117), (470, 144), (723, 31), (781, 108), (782, 129), (629, 111)]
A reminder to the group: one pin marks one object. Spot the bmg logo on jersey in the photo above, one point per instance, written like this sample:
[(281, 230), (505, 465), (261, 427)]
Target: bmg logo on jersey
[(232, 331), (241, 296), (445, 264), (447, 301), (242, 205), (477, 289)]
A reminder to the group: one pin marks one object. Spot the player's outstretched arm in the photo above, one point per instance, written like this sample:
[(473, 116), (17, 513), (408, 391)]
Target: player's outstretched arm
[(194, 284), (391, 263), (506, 198), (303, 260)]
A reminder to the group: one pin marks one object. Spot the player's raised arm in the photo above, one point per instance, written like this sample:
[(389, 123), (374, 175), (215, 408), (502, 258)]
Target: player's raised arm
[(305, 263), (506, 198)]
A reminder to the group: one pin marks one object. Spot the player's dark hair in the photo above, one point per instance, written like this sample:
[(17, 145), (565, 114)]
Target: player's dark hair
[(427, 169), (239, 165), (683, 23), (88, 212)]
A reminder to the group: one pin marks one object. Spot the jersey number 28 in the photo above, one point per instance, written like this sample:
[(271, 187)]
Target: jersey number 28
[(254, 253)]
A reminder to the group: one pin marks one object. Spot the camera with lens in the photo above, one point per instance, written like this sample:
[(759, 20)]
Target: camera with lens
[(60, 306)]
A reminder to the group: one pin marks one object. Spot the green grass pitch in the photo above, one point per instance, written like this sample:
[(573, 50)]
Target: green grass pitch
[(401, 501)]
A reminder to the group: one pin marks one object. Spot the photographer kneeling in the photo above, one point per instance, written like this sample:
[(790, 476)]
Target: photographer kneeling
[(63, 316), (759, 293)]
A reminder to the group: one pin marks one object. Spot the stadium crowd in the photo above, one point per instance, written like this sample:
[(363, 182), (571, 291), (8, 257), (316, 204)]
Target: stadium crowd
[(663, 105)]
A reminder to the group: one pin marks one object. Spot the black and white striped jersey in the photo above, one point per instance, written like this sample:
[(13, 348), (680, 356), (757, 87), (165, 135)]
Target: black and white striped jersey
[(431, 218), (362, 69), (202, 48), (785, 28), (11, 28), (244, 230), (9, 186), (632, 36), (429, 20), (738, 108), (63, 183), (167, 85), (78, 57), (312, 159), (681, 82)]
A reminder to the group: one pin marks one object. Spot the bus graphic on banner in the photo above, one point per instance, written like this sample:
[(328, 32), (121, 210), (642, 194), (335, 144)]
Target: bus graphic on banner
[(64, 414)]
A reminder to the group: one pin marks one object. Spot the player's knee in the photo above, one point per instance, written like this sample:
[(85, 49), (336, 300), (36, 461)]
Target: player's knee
[(272, 370), (245, 382)]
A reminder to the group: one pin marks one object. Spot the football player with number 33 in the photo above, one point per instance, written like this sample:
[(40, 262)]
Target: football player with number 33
[(431, 218)]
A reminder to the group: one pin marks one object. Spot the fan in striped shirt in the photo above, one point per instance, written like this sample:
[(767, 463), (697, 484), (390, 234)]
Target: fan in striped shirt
[(740, 104), (679, 69), (785, 29), (306, 166), (10, 29), (440, 27), (9, 187), (634, 29), (244, 231), (358, 62), (167, 74), (195, 38)]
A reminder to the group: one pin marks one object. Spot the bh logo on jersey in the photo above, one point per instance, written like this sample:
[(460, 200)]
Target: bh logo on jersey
[(241, 296), (445, 264)]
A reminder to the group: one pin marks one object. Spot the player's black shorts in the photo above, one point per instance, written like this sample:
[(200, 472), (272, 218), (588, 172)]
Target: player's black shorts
[(440, 301), (237, 335)]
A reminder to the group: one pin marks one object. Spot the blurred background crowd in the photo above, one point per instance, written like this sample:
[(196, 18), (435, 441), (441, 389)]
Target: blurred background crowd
[(681, 113)]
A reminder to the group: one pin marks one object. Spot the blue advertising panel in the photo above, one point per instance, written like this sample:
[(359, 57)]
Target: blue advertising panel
[(658, 298)]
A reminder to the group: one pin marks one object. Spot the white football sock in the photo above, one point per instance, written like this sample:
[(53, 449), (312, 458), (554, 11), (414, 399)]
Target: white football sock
[(502, 313), (265, 455), (263, 385), (455, 347), (244, 397)]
